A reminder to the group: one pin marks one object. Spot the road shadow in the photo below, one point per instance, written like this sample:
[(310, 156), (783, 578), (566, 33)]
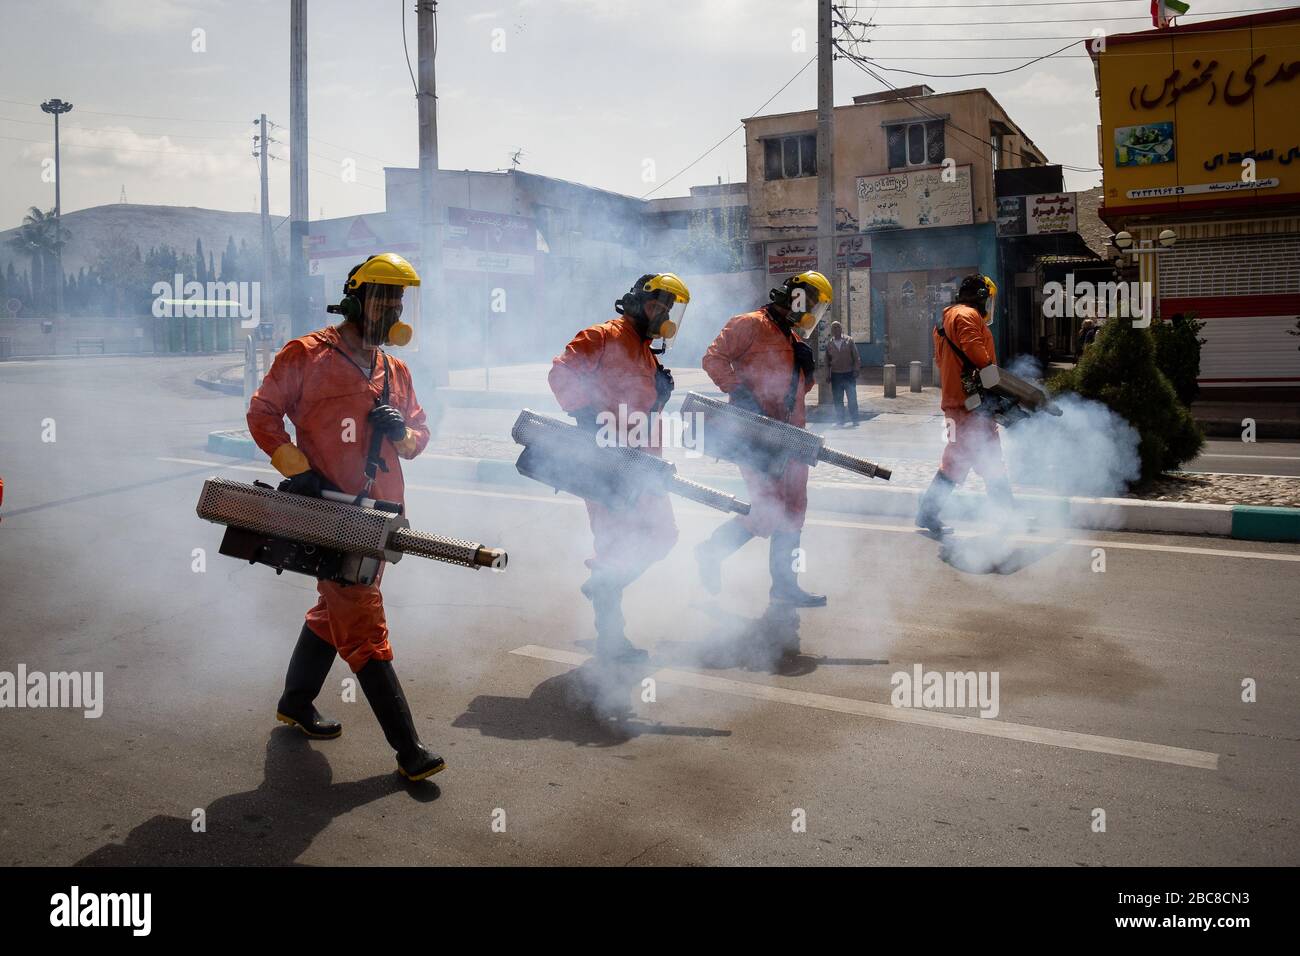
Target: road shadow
[(993, 554), (589, 706), (767, 644), (272, 825)]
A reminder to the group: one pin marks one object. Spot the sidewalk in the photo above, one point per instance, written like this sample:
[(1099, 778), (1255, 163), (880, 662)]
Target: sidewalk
[(904, 434)]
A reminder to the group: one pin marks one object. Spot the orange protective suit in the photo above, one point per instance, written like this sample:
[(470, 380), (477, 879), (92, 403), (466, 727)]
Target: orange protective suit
[(327, 397), (606, 366), (973, 439), (753, 351)]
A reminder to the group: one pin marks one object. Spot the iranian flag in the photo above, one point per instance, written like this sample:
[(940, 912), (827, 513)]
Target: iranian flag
[(1163, 10)]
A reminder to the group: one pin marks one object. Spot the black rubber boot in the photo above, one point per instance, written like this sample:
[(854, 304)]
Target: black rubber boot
[(709, 554), (605, 591), (932, 502), (785, 585), (308, 668), (384, 692)]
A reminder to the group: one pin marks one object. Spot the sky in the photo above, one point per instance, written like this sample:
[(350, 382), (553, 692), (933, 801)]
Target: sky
[(601, 92)]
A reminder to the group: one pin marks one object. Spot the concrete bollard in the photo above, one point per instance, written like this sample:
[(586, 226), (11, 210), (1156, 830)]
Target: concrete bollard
[(891, 381), (914, 376)]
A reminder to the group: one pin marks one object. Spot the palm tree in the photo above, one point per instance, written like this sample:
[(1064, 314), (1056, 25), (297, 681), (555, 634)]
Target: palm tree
[(41, 237)]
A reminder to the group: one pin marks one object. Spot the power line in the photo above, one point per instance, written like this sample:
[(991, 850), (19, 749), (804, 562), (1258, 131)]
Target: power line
[(732, 133), (939, 76), (406, 49), (856, 61)]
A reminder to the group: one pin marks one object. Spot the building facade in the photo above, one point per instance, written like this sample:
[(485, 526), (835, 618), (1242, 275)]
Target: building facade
[(915, 206), (1200, 133)]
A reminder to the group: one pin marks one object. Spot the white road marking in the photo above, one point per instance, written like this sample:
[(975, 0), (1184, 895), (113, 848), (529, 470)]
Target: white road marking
[(821, 522), (1254, 457), (1137, 749)]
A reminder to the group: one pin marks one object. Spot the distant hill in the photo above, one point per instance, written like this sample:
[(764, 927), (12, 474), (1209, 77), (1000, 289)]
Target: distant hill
[(130, 223)]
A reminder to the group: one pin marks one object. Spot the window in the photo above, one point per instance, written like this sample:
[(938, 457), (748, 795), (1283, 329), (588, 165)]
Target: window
[(995, 140), (915, 144), (789, 157)]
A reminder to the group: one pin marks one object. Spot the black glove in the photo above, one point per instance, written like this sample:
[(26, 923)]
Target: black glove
[(307, 483), (804, 359), (585, 418), (663, 387), (742, 397), (389, 421)]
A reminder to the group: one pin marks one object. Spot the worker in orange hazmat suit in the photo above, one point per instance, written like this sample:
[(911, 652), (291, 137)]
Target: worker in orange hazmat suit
[(963, 344), (609, 375), (355, 413), (760, 359)]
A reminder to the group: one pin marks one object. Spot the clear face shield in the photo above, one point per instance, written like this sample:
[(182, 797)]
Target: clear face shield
[(382, 311), (805, 316), (664, 317)]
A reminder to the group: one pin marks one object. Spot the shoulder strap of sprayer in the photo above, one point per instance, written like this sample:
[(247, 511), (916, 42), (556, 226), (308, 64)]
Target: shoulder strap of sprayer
[(374, 461), (792, 394), (966, 364)]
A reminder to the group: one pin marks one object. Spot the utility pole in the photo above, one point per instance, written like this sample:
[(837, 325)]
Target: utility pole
[(57, 107), (826, 239), (300, 320), (267, 309), (426, 12)]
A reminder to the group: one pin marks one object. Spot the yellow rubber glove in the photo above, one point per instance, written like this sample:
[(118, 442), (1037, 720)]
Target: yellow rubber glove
[(289, 460)]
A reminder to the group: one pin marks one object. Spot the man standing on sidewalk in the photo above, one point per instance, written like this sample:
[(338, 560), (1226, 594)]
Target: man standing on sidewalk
[(845, 362)]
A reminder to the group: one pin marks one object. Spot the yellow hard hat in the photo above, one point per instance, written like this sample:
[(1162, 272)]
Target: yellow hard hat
[(387, 268), (805, 314), (814, 280), (667, 282)]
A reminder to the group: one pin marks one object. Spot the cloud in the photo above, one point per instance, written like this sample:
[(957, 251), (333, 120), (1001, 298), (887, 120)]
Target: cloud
[(121, 149)]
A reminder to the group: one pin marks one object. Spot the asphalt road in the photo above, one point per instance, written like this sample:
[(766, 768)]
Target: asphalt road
[(1119, 690)]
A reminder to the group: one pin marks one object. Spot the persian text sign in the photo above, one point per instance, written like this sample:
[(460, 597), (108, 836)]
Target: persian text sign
[(914, 199), (791, 256), (1232, 186), (1042, 215)]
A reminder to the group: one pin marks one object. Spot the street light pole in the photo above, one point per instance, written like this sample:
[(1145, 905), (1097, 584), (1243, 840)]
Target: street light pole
[(57, 107)]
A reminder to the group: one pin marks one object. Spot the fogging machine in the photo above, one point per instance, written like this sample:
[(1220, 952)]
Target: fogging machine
[(1005, 397), (756, 441), (567, 458), (332, 538)]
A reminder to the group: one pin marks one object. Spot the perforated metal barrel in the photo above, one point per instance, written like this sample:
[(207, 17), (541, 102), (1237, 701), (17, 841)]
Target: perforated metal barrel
[(736, 434), (439, 547), (626, 467), (329, 524), (708, 496)]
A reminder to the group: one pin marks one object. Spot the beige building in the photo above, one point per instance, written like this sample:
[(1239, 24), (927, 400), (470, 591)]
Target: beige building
[(914, 198)]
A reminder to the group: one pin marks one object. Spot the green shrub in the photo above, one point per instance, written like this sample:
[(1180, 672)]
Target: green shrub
[(1119, 370), (1178, 353)]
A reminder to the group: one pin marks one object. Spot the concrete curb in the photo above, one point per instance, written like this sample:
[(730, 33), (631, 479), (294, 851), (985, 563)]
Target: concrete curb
[(212, 380), (1243, 522)]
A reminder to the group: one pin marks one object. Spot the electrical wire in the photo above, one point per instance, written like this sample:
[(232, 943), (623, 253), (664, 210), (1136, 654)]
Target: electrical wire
[(732, 133), (406, 49), (856, 61)]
